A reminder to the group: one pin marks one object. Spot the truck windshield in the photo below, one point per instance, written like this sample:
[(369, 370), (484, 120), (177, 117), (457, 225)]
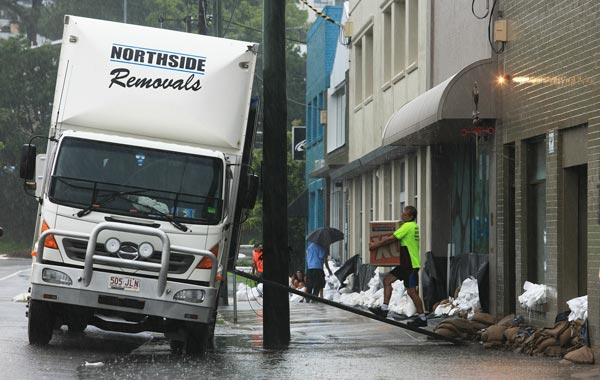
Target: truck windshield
[(137, 181)]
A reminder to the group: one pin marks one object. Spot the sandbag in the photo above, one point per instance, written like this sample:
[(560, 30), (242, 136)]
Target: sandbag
[(447, 326), (557, 329), (479, 325), (510, 333), (494, 333), (545, 343), (583, 355), (507, 321), (461, 324), (446, 332), (566, 336), (484, 318)]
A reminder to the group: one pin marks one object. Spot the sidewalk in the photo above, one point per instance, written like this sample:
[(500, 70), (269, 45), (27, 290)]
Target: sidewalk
[(335, 344)]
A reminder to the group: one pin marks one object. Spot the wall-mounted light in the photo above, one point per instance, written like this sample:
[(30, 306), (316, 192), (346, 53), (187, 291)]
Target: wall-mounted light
[(503, 79)]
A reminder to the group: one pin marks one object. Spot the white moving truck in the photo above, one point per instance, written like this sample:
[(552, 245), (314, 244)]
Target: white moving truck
[(143, 181)]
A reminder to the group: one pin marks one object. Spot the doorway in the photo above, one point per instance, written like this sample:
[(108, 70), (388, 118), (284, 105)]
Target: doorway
[(574, 252)]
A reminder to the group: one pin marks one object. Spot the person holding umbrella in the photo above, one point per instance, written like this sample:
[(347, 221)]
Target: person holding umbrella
[(316, 257)]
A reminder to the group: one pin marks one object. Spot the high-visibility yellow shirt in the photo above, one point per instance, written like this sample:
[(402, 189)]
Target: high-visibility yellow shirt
[(408, 234)]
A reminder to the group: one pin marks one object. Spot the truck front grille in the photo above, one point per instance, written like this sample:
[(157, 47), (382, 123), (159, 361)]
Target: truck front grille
[(75, 250)]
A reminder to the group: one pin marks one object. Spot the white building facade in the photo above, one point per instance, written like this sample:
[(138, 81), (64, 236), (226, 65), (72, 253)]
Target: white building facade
[(409, 137)]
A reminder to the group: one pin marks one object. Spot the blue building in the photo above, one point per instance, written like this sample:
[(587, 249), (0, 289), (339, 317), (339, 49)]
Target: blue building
[(321, 42)]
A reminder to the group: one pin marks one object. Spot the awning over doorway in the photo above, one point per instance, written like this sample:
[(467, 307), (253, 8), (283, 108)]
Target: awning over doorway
[(434, 113)]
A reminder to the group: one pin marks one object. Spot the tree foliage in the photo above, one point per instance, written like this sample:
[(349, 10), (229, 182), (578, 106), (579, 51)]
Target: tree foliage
[(27, 77)]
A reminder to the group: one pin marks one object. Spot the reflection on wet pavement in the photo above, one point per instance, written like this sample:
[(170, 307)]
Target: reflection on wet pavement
[(328, 344)]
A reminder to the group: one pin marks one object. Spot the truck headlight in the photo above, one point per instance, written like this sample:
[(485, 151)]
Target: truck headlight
[(56, 277), (112, 245), (146, 250), (190, 295)]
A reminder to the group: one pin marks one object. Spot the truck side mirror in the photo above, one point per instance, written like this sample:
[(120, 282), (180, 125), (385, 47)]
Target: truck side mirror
[(1, 231), (27, 168), (252, 192)]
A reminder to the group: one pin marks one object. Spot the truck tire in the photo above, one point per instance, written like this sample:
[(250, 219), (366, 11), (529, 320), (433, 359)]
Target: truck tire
[(41, 322), (211, 330), (196, 341)]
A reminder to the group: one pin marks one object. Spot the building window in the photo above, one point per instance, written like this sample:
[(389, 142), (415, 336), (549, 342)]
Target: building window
[(368, 65), (387, 191), (336, 125), (399, 36), (336, 196), (358, 72), (415, 182), (413, 31), (363, 60), (375, 195), (360, 219), (387, 44), (402, 186), (536, 211), (322, 106), (314, 121)]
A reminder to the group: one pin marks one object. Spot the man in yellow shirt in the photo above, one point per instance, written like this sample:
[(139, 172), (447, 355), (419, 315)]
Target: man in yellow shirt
[(408, 270)]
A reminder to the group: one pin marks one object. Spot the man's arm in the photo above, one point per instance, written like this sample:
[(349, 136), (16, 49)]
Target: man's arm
[(383, 242), (326, 261)]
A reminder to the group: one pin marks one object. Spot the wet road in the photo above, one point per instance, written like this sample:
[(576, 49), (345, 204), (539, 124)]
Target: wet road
[(327, 343)]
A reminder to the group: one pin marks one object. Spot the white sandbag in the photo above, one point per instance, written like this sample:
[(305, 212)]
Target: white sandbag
[(534, 295), (247, 293), (443, 309), (468, 297), (579, 308), (297, 297)]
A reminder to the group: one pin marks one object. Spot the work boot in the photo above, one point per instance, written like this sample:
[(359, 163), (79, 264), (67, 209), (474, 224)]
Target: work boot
[(417, 322), (379, 312)]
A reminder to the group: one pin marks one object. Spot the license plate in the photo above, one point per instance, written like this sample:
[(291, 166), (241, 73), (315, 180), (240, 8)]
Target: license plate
[(124, 283)]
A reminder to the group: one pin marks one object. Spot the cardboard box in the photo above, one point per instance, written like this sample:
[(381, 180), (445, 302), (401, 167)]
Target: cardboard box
[(388, 255)]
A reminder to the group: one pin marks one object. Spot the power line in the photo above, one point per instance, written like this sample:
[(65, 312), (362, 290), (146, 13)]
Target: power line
[(260, 31)]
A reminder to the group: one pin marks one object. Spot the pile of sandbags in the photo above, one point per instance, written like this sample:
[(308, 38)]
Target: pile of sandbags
[(562, 340), (467, 329), (464, 303)]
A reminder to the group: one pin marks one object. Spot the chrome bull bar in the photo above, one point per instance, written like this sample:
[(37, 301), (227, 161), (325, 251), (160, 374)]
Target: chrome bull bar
[(91, 258)]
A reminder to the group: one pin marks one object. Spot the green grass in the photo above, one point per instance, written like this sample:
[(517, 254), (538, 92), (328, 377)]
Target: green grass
[(244, 263)]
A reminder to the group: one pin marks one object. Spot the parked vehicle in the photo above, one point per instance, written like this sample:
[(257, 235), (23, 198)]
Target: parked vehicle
[(144, 179)]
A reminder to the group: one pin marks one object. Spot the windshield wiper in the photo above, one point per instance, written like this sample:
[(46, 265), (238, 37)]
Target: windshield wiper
[(155, 211), (107, 199)]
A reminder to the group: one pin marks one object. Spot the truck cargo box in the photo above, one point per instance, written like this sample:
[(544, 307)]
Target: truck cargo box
[(168, 85)]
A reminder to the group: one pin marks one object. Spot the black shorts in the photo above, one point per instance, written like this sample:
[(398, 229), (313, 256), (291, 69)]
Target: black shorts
[(409, 276), (316, 279)]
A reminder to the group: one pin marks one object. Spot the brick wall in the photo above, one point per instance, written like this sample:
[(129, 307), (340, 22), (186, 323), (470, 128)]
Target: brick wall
[(557, 47)]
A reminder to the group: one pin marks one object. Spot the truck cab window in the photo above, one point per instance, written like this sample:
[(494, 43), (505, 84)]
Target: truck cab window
[(189, 187)]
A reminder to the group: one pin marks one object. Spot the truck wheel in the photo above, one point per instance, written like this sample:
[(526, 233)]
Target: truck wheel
[(41, 322), (196, 341), (211, 330)]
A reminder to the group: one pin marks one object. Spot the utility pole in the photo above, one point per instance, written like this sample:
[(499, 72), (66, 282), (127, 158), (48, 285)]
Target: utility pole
[(202, 27), (276, 307)]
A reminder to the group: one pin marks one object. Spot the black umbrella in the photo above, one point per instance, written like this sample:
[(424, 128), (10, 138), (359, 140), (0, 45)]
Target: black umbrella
[(324, 236)]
